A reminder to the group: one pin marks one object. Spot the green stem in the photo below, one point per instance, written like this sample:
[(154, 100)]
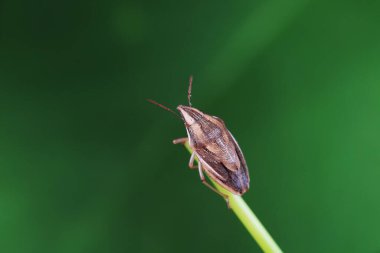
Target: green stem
[(249, 219)]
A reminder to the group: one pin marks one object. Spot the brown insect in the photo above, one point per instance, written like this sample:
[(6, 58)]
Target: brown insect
[(218, 153)]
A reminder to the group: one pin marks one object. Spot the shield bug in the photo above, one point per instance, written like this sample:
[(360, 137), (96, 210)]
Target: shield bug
[(218, 153)]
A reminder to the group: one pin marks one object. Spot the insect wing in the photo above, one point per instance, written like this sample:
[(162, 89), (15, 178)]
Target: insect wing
[(234, 181), (243, 168)]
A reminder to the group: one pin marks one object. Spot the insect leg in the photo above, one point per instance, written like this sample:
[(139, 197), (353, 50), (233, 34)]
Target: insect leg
[(191, 162), (180, 140), (203, 179)]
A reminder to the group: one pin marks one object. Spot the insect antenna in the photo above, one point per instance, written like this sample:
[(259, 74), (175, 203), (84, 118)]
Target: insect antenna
[(189, 90), (162, 106)]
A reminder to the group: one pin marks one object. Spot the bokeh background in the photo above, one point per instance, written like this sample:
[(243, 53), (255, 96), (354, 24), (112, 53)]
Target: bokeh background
[(87, 165)]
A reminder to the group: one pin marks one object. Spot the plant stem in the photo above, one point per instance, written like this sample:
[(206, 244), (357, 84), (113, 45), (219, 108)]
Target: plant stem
[(248, 218)]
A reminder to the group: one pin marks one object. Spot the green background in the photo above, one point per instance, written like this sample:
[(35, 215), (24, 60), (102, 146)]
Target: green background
[(87, 165)]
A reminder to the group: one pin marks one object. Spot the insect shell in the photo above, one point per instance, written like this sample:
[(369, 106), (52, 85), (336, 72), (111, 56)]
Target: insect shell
[(218, 153), (217, 150)]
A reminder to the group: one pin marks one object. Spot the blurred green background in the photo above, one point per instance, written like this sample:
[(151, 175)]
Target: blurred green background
[(87, 165)]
